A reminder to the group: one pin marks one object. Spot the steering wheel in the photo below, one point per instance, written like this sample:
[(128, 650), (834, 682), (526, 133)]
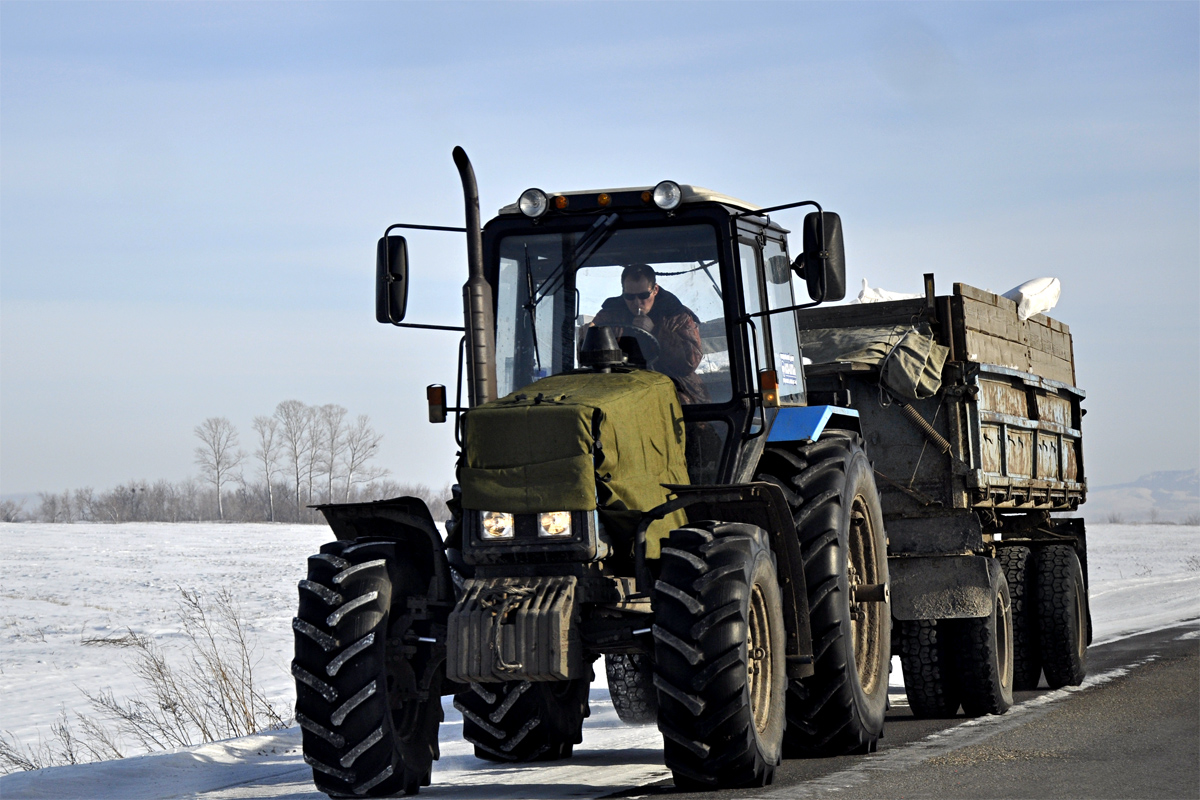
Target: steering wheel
[(647, 343)]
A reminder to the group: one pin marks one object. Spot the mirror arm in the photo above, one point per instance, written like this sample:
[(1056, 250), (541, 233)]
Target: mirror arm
[(390, 228), (823, 254), (769, 209), (390, 278), (458, 328)]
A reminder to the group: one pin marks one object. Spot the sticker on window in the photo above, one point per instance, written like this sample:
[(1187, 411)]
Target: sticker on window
[(787, 369)]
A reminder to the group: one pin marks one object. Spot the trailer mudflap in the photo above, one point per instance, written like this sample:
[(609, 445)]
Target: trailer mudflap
[(507, 629), (941, 587)]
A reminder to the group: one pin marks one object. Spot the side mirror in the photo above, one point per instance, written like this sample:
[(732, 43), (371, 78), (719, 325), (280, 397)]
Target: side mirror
[(823, 270), (391, 279)]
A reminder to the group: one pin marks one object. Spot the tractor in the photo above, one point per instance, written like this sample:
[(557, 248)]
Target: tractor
[(642, 477)]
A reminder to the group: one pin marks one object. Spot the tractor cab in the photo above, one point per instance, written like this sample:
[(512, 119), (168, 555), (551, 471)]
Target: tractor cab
[(723, 323)]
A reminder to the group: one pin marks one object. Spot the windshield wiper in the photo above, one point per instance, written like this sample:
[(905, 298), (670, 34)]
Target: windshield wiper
[(531, 307), (593, 239)]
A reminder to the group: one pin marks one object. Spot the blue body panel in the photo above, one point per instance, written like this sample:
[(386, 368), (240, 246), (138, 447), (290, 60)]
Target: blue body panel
[(806, 423)]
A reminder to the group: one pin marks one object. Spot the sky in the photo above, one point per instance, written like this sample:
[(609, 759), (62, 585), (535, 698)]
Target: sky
[(190, 193)]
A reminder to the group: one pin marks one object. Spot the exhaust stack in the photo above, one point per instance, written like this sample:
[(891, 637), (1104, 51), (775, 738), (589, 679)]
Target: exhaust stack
[(477, 295)]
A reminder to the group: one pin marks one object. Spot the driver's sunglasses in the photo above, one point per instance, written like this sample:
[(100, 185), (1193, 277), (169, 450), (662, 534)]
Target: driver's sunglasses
[(638, 295)]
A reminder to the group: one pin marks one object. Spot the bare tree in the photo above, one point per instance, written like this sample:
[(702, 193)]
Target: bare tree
[(331, 423), (217, 454), (85, 504), (267, 455), (49, 510), (10, 510), (362, 445), (295, 432)]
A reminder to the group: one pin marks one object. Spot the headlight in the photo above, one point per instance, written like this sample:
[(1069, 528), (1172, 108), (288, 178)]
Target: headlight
[(668, 195), (497, 525), (554, 523), (533, 203)]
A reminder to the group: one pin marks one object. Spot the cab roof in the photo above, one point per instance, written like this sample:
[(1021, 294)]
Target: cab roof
[(691, 194)]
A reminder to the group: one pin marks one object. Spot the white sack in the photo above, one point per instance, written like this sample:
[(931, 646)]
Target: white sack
[(869, 295), (1035, 297)]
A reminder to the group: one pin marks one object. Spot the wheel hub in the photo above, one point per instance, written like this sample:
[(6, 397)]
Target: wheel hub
[(866, 619), (758, 662)]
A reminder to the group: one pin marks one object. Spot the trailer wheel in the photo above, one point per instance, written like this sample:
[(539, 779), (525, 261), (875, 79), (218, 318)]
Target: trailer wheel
[(631, 686), (831, 490), (926, 661), (985, 656), (366, 731), (524, 720), (1019, 570), (1062, 615), (719, 656)]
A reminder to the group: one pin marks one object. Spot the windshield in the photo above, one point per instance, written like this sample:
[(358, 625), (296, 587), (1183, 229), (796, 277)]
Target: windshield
[(576, 281)]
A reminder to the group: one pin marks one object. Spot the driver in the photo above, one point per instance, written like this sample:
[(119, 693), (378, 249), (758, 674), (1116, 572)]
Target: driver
[(648, 307)]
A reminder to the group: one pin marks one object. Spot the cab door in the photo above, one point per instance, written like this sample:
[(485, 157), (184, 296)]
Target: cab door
[(766, 276)]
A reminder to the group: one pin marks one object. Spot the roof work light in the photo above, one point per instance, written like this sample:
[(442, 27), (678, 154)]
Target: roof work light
[(533, 203)]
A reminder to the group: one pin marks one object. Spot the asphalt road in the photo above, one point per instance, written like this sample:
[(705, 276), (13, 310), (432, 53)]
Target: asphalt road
[(1131, 731)]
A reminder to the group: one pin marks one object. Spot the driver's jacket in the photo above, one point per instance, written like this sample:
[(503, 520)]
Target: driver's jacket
[(678, 332)]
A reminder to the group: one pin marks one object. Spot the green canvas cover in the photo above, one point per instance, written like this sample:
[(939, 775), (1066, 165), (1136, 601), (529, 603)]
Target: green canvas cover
[(533, 450), (910, 362)]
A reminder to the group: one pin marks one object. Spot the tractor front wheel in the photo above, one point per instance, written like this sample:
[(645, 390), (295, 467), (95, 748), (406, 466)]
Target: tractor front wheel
[(367, 729), (524, 720), (719, 656)]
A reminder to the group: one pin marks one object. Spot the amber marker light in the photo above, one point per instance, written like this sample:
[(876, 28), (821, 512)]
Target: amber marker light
[(647, 197), (561, 202), (436, 395), (603, 199), (770, 387)]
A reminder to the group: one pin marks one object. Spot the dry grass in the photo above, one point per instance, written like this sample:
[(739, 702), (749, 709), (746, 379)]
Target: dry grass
[(207, 695)]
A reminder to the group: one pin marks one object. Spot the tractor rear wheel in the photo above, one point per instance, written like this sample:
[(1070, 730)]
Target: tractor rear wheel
[(524, 720), (1062, 615), (830, 487), (719, 656), (631, 686), (367, 731), (1019, 570)]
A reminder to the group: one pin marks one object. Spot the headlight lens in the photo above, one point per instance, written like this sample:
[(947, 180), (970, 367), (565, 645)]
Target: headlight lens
[(497, 525), (533, 203), (668, 195), (554, 523)]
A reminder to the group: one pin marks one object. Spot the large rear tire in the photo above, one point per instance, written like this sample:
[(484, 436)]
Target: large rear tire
[(985, 655), (1020, 571), (1062, 615), (366, 730), (524, 720), (830, 487), (927, 661), (719, 658), (631, 687)]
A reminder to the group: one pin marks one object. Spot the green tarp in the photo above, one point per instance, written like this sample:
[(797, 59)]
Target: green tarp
[(534, 449), (909, 361)]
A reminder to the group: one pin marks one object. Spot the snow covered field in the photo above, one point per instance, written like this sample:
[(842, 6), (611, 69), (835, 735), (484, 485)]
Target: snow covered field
[(67, 583)]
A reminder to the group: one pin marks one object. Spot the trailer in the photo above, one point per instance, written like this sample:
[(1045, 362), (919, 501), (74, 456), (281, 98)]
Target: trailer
[(971, 465)]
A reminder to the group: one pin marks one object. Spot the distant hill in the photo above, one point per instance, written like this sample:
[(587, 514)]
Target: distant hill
[(1158, 497)]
